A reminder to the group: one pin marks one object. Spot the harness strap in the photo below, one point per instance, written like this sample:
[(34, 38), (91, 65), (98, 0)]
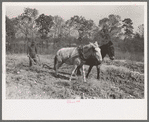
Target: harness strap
[(81, 55), (72, 53), (80, 50)]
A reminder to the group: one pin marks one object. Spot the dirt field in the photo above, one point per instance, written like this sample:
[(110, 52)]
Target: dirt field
[(118, 80)]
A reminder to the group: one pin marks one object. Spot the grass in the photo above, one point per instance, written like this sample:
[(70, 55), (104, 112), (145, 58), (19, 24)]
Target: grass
[(139, 57), (36, 82), (131, 65)]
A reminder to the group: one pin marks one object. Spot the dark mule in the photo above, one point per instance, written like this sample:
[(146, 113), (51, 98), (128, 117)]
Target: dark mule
[(75, 56), (106, 49)]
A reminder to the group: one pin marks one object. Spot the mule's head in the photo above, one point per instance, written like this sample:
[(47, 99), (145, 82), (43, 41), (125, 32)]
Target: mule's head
[(97, 51), (110, 49)]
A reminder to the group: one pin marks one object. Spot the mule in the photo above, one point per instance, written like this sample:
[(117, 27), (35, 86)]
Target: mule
[(106, 49), (76, 56)]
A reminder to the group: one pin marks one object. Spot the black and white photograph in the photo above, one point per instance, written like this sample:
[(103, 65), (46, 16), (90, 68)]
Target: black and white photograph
[(75, 54)]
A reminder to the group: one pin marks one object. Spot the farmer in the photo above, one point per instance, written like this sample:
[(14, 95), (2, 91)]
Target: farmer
[(32, 53)]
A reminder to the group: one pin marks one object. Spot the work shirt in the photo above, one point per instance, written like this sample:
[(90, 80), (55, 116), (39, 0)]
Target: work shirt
[(32, 51)]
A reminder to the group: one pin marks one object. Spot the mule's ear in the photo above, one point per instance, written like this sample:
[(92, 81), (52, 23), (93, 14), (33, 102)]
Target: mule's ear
[(96, 44), (91, 44), (110, 43)]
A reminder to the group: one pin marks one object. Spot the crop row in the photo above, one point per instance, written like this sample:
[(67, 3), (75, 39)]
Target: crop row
[(129, 81), (134, 66)]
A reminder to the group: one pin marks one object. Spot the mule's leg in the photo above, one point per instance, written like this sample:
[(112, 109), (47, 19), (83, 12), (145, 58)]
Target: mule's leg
[(73, 71), (98, 71), (55, 61), (89, 70), (78, 71), (30, 62), (57, 66), (83, 72), (56, 69)]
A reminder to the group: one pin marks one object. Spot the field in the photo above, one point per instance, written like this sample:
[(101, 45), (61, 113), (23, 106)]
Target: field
[(119, 79)]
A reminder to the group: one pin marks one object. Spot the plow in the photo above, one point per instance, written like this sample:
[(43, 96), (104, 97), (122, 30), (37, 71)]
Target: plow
[(39, 63)]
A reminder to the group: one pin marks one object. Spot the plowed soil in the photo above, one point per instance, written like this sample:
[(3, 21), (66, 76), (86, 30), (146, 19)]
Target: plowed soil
[(118, 80)]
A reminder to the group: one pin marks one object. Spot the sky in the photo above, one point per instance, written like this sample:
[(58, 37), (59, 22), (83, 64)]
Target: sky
[(95, 12)]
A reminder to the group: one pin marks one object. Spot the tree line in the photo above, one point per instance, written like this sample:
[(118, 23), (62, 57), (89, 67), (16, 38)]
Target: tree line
[(32, 26)]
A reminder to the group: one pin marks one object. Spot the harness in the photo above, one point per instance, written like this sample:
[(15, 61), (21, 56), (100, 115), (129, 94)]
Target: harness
[(80, 51), (81, 54)]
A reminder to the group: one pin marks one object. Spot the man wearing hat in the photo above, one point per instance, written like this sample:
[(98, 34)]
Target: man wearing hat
[(32, 53)]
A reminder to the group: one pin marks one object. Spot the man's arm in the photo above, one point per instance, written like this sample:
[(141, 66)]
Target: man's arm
[(35, 49), (28, 50)]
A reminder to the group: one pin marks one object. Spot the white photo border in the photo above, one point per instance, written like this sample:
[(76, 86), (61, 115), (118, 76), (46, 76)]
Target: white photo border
[(100, 109)]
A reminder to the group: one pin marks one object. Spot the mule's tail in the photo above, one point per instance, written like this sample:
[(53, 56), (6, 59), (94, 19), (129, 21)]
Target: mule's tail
[(55, 60)]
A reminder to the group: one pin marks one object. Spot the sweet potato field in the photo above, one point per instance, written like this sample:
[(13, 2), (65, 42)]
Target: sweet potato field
[(118, 80)]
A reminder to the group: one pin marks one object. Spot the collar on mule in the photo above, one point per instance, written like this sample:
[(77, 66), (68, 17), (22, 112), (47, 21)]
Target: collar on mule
[(81, 53)]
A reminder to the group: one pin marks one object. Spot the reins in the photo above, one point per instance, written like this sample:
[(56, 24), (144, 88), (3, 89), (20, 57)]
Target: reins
[(32, 59), (38, 62), (72, 53), (70, 56), (81, 55)]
